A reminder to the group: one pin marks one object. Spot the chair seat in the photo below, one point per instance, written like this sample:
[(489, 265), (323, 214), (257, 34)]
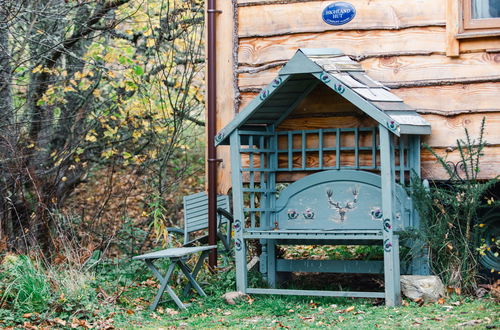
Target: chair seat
[(174, 252)]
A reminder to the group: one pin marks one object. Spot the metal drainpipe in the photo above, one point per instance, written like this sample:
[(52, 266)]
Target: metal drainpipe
[(212, 154)]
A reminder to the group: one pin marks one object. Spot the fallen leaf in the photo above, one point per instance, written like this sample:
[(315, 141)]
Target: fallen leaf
[(28, 325), (405, 303), (59, 321), (441, 301), (148, 282), (172, 312), (27, 315), (458, 291), (470, 323), (130, 312), (349, 309), (155, 316)]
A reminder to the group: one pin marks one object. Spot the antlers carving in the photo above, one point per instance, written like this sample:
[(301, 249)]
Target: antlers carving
[(342, 209)]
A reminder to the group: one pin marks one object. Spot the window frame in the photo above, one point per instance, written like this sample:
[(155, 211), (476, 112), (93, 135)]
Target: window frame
[(470, 24)]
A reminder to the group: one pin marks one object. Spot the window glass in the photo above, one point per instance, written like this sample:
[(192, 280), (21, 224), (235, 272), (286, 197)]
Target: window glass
[(485, 9)]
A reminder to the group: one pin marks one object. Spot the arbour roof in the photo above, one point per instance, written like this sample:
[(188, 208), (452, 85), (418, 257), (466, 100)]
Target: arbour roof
[(310, 67)]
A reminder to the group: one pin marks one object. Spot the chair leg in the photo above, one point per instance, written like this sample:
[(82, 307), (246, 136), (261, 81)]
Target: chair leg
[(191, 279), (222, 238), (164, 284), (195, 271)]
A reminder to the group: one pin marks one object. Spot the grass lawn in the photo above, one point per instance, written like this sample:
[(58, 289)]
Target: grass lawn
[(120, 293), (313, 312)]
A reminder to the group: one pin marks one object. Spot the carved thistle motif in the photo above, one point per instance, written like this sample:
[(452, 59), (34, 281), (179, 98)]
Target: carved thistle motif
[(342, 208), (292, 214), (376, 213)]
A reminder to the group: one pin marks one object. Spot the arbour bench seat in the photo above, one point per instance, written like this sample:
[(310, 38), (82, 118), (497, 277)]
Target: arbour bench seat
[(304, 234), (323, 237)]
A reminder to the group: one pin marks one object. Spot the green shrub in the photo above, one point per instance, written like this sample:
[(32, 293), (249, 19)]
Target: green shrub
[(449, 214)]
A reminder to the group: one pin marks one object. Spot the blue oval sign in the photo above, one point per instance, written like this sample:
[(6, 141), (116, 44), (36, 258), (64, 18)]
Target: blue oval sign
[(339, 13)]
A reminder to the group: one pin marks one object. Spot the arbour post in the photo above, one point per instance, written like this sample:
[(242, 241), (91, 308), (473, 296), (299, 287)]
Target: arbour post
[(390, 241), (420, 257), (271, 200), (239, 216)]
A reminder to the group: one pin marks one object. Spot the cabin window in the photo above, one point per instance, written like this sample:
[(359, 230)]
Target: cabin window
[(481, 15)]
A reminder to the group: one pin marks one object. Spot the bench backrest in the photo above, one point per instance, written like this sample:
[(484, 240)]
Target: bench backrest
[(344, 200), (196, 212)]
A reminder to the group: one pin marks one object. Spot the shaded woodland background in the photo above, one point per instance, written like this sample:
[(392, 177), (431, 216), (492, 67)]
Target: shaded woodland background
[(100, 107)]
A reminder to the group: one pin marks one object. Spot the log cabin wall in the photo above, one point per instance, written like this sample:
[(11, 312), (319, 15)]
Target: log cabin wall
[(410, 46)]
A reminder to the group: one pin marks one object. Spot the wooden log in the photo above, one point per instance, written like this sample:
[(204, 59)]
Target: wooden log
[(452, 27), (395, 71), (407, 68), (479, 44), (225, 86), (305, 17), (489, 164), (449, 99), (246, 3), (446, 130), (325, 122), (261, 51)]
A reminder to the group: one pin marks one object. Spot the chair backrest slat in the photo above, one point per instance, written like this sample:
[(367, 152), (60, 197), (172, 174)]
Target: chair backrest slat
[(196, 212)]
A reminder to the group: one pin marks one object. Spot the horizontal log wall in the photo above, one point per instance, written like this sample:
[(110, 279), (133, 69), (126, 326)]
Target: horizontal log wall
[(403, 44)]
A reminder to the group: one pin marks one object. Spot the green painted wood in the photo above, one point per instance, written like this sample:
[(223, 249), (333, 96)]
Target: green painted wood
[(175, 255), (356, 148), (250, 109), (299, 64), (318, 236), (298, 70), (317, 293), (239, 216), (337, 148), (402, 159), (196, 214), (420, 257), (415, 130), (374, 148), (391, 254), (331, 266), (355, 198)]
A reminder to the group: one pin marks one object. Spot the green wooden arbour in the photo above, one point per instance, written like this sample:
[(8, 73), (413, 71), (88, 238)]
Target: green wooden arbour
[(359, 203)]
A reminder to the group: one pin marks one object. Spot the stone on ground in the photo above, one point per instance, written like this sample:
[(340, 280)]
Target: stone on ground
[(232, 297), (416, 287)]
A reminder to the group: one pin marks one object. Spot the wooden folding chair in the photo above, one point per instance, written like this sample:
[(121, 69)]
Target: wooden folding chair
[(176, 257), (195, 220)]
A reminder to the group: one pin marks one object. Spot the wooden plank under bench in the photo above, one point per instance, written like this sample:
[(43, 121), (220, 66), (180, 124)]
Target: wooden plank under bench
[(358, 294)]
